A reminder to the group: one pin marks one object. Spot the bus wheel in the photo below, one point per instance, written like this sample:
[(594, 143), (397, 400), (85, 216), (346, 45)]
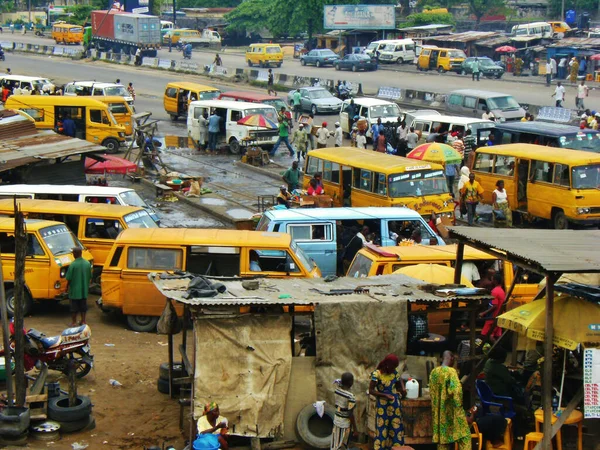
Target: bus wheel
[(234, 146), (142, 324), (559, 221), (112, 145), (10, 302)]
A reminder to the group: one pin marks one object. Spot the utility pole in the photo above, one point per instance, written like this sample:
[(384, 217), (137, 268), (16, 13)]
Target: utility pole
[(562, 10), (20, 256)]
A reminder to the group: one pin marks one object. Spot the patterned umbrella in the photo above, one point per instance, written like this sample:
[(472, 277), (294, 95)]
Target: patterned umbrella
[(257, 120), (506, 49), (435, 152)]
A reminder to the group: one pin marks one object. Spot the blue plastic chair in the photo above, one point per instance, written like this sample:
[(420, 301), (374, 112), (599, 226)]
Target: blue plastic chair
[(494, 404)]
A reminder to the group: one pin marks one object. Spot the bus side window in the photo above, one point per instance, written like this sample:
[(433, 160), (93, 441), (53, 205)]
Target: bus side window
[(483, 162), (379, 184), (542, 171), (561, 175), (366, 181), (314, 165)]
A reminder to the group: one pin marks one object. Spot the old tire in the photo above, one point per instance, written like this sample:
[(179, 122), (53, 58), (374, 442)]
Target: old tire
[(178, 370), (142, 324), (18, 441), (82, 368), (10, 302), (112, 145), (234, 146), (60, 411), (163, 387), (315, 431), (559, 220), (87, 423)]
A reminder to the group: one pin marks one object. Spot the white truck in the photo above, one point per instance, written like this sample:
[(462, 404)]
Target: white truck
[(206, 38)]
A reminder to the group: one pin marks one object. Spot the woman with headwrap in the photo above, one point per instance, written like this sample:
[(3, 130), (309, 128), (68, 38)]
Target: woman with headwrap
[(213, 423), (387, 387)]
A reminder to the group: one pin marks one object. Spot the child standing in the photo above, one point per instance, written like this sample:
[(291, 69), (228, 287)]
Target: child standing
[(343, 422)]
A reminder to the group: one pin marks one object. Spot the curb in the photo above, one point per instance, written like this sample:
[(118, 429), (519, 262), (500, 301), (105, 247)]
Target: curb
[(262, 171)]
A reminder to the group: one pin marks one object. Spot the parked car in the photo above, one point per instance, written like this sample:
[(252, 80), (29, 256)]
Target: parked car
[(316, 100), (487, 67), (356, 62), (319, 57)]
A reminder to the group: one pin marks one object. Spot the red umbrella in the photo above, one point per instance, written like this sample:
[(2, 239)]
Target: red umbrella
[(506, 49), (595, 57), (109, 164)]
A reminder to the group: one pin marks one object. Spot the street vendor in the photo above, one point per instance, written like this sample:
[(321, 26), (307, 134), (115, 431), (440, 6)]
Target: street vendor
[(284, 197), (213, 423)]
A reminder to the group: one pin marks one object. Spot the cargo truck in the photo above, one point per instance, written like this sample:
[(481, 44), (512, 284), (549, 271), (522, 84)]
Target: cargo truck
[(118, 31)]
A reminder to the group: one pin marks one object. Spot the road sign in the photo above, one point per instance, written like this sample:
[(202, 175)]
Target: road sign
[(142, 10)]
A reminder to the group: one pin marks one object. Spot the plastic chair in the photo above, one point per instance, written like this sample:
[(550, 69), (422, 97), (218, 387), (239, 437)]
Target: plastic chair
[(489, 400), (507, 443), (475, 435), (531, 439)]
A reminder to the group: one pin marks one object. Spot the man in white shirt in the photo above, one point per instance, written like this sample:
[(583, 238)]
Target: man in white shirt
[(361, 140), (559, 94), (548, 72), (411, 139), (488, 115), (554, 68), (582, 93), (337, 135)]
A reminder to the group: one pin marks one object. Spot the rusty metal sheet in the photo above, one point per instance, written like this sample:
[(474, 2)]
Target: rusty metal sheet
[(467, 36)]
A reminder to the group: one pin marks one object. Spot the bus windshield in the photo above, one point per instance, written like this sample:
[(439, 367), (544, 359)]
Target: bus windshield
[(59, 239), (308, 263), (140, 219), (503, 103), (586, 177), (132, 198), (390, 110), (418, 183), (581, 141)]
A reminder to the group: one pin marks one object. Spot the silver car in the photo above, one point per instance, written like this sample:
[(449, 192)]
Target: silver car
[(316, 100)]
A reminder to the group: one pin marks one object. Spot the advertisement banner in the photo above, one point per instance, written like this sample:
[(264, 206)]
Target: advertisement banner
[(352, 17)]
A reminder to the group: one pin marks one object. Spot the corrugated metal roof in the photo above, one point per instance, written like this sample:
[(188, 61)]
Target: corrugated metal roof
[(564, 251), (577, 42), (308, 291), (467, 36), (493, 42)]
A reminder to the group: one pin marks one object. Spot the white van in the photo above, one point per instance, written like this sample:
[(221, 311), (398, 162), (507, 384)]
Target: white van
[(398, 51), (26, 82), (376, 46), (370, 109), (95, 88), (426, 124), (231, 132), (73, 193), (532, 30)]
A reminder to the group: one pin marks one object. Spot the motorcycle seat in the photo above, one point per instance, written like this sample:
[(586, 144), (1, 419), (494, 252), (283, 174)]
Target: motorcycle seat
[(49, 342), (75, 334)]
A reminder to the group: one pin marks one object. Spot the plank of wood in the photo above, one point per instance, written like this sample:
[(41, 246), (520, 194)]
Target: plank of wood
[(36, 398)]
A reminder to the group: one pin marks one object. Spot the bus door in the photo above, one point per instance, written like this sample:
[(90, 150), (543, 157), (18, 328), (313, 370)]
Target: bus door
[(77, 113), (346, 183), (522, 182)]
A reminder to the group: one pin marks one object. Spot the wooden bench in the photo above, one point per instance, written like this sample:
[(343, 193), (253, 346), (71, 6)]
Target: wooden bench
[(162, 190)]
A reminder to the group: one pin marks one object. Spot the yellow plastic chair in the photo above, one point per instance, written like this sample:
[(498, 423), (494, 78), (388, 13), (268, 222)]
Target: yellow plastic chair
[(531, 439), (475, 435)]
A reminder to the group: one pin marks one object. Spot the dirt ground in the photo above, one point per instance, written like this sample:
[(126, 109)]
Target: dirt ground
[(128, 417)]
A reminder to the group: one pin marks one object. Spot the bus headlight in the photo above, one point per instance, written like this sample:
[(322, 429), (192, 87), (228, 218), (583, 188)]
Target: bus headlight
[(583, 210), (63, 272)]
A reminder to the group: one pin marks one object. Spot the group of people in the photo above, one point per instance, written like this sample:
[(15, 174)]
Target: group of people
[(589, 119), (576, 68)]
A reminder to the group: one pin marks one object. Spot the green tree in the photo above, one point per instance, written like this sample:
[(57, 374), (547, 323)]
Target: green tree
[(415, 20), (250, 15), (208, 3)]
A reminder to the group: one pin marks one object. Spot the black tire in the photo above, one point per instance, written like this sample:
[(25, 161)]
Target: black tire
[(313, 430), (18, 441), (463, 72), (441, 70), (82, 368), (559, 220), (78, 425), (337, 67), (279, 64), (318, 63), (173, 117), (178, 371), (498, 76), (59, 409), (234, 146), (10, 302), (313, 110), (354, 69), (400, 61), (163, 387), (112, 145), (249, 63), (302, 62), (142, 324)]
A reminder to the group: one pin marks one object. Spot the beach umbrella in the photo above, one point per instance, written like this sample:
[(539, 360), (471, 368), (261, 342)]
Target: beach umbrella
[(257, 120), (432, 273), (595, 57), (436, 152), (506, 49), (109, 164)]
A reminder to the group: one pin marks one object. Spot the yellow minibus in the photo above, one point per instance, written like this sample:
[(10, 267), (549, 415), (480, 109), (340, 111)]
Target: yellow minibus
[(555, 184), (93, 120), (179, 94), (67, 34), (219, 253), (49, 254), (358, 177)]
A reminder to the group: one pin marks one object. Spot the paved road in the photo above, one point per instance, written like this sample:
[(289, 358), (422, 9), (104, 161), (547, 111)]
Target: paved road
[(527, 92)]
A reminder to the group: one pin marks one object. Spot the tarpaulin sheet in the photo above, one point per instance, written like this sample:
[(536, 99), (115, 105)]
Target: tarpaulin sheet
[(244, 365), (354, 337)]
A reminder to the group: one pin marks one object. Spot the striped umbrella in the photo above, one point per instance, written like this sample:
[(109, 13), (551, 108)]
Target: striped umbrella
[(436, 152), (257, 120)]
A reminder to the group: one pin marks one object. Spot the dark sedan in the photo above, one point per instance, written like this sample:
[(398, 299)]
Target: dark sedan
[(356, 62), (487, 67)]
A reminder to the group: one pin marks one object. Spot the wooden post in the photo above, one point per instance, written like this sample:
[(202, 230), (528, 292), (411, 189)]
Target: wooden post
[(460, 254), (20, 255), (6, 338), (170, 341), (472, 337), (72, 383), (547, 371), (193, 429)]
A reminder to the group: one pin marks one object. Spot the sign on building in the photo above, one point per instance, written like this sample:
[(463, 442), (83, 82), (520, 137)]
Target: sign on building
[(352, 17)]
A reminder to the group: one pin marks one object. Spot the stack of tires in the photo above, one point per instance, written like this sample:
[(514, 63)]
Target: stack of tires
[(163, 377), (71, 418), (14, 426)]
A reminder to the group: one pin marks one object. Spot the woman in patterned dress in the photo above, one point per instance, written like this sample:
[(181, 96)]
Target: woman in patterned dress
[(387, 387)]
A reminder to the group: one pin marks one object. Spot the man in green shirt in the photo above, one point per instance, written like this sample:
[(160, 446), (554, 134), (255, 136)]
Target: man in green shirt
[(297, 105), (292, 177), (284, 132), (78, 278)]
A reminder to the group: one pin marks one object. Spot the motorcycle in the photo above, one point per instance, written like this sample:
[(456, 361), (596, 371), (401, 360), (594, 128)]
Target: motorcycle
[(57, 351), (187, 51)]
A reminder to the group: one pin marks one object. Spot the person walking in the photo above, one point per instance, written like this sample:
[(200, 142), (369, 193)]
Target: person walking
[(458, 145), (475, 69), (450, 171), (582, 93), (218, 61), (490, 329), (214, 122), (308, 126), (292, 177), (558, 95), (401, 133), (548, 72), (343, 420), (470, 144), (131, 91), (376, 129), (270, 83), (412, 139), (500, 203), (351, 110), (300, 141), (554, 68), (78, 278), (471, 193), (361, 140), (449, 420), (203, 131), (297, 103), (322, 135), (284, 133), (574, 70), (337, 135)]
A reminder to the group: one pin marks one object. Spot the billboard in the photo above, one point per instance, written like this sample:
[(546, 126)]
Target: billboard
[(351, 17)]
